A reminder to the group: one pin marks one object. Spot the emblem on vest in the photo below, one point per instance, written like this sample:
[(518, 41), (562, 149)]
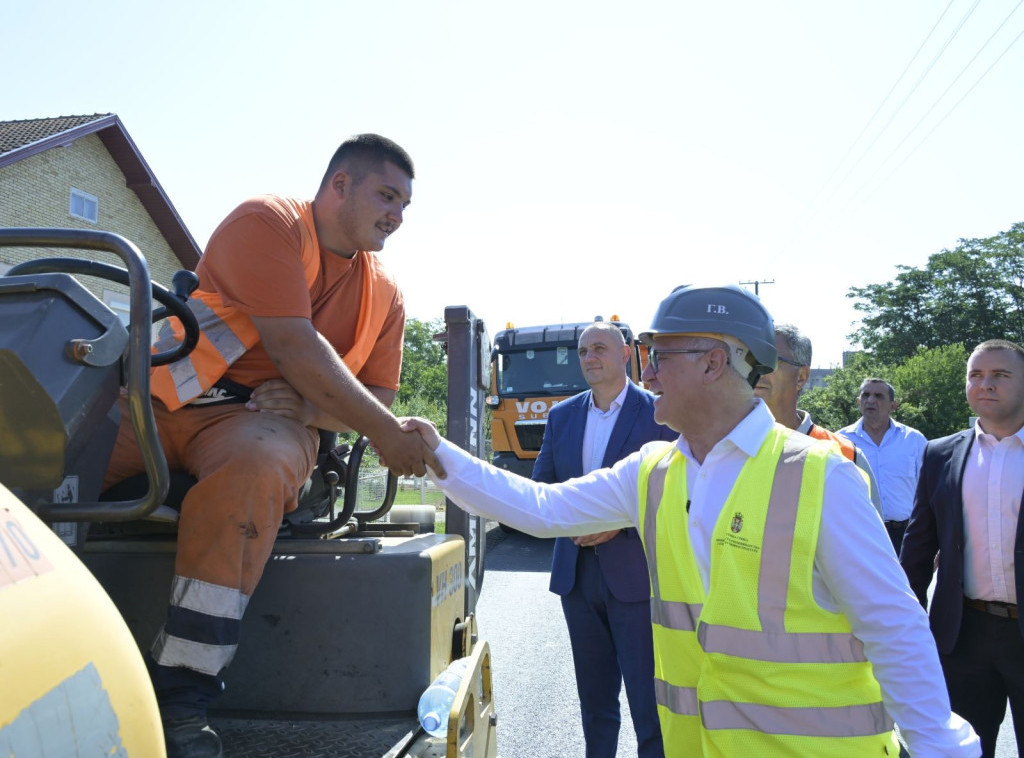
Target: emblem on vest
[(733, 537)]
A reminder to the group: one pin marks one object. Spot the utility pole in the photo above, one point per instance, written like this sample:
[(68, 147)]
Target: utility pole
[(756, 284)]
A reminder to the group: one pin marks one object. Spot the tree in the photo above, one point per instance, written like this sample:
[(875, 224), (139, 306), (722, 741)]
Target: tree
[(929, 389), (835, 405), (424, 382), (972, 293)]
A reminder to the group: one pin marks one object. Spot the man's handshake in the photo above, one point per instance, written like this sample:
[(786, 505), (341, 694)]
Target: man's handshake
[(410, 452)]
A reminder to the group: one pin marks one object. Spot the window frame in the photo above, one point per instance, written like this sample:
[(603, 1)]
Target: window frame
[(86, 199)]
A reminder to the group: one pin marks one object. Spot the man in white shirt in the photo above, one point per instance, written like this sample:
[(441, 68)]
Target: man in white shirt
[(782, 622), (893, 450), (967, 509)]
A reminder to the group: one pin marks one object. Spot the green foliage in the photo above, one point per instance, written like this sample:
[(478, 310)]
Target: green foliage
[(919, 328), (835, 405), (929, 389), (424, 382), (970, 294), (420, 405)]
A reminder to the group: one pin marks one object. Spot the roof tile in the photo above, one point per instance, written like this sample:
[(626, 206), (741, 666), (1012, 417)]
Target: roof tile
[(15, 134)]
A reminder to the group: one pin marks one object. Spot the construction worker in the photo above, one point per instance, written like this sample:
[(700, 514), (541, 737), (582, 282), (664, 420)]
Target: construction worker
[(286, 287), (781, 389), (782, 623)]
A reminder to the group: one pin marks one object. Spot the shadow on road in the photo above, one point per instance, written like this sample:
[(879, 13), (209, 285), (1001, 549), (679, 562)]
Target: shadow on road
[(520, 552)]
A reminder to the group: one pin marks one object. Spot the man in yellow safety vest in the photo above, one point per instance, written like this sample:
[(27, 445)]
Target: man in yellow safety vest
[(782, 623)]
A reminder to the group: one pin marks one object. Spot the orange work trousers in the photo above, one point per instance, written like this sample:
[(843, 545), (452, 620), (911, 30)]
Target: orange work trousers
[(249, 465)]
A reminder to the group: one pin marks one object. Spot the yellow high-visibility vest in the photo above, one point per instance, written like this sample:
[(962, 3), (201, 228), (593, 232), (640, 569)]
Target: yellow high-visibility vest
[(772, 672)]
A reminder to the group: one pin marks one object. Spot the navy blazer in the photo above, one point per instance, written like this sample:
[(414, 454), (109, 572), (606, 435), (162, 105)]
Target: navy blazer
[(937, 524), (561, 458)]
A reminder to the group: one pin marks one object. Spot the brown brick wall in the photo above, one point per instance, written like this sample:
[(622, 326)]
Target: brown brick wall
[(36, 192)]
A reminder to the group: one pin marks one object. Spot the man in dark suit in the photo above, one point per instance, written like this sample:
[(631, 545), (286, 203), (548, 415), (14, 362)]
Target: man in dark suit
[(967, 508), (602, 577)]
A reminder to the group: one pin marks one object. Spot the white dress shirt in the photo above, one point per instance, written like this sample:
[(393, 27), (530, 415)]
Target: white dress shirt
[(896, 464), (992, 489), (806, 423), (855, 570), (598, 430)]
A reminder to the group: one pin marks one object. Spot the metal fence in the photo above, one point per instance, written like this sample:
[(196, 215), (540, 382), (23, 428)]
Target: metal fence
[(411, 490)]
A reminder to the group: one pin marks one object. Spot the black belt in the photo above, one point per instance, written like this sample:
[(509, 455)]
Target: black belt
[(904, 522), (993, 607)]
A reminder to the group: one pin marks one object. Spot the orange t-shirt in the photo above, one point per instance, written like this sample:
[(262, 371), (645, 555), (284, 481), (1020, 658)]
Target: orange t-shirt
[(253, 261)]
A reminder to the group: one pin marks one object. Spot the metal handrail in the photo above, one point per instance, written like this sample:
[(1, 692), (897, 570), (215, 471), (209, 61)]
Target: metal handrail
[(138, 366)]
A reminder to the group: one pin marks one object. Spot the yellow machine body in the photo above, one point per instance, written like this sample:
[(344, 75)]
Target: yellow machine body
[(72, 681)]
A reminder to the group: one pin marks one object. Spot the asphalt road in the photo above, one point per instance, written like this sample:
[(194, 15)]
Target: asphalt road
[(534, 684)]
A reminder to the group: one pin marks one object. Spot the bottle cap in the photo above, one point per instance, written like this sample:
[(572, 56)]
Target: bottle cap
[(431, 721)]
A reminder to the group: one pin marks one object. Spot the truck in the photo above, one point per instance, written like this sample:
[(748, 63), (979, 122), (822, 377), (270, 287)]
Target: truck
[(352, 620), (532, 369)]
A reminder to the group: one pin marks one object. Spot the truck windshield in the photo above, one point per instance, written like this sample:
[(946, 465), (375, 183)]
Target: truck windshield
[(540, 371)]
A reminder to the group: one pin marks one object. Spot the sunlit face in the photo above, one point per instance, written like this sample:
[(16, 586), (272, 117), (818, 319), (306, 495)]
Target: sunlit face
[(603, 358), (678, 378), (371, 210), (995, 387), (781, 387), (874, 403)]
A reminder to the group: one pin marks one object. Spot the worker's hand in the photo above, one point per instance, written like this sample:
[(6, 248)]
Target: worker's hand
[(425, 427), (407, 454), (590, 540), (277, 396)]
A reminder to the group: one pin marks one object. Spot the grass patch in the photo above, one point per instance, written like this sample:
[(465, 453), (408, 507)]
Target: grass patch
[(415, 497)]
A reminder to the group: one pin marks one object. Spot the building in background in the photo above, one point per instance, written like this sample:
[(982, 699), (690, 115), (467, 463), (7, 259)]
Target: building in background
[(85, 172)]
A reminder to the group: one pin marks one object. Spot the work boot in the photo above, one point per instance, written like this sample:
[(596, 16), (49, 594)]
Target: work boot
[(191, 738)]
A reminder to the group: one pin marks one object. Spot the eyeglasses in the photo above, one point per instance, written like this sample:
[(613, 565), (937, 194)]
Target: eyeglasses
[(791, 363), (653, 354)]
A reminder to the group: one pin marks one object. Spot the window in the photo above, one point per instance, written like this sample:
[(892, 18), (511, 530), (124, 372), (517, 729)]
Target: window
[(84, 206)]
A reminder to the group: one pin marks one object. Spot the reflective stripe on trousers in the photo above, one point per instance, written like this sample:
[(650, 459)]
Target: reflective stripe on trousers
[(202, 627)]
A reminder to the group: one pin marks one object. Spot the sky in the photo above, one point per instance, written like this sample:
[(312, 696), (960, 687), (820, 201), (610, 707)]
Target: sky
[(574, 159)]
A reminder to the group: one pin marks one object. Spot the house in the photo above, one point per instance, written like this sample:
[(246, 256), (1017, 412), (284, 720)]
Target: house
[(85, 172)]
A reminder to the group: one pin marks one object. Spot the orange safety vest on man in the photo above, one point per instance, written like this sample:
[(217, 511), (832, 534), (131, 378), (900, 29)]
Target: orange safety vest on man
[(227, 333), (845, 446)]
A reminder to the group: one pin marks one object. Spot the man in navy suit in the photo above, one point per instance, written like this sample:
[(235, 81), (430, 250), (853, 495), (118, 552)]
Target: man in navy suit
[(602, 577), (967, 508)]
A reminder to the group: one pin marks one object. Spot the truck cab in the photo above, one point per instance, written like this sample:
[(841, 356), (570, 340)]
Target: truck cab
[(533, 368)]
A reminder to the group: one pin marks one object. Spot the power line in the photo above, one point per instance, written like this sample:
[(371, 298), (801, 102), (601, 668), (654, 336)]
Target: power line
[(886, 98), (955, 105), (757, 282), (913, 129), (913, 89)]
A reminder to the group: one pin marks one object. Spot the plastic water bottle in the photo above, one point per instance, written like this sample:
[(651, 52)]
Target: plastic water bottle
[(437, 699)]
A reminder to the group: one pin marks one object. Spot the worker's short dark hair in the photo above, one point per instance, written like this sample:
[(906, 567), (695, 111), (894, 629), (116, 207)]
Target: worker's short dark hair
[(988, 345), (876, 380), (365, 153)]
